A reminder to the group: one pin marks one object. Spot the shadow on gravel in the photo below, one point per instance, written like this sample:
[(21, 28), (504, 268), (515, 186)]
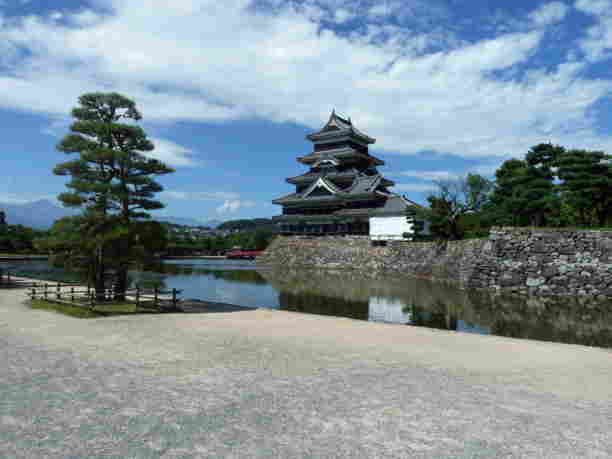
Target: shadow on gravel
[(17, 284), (200, 306)]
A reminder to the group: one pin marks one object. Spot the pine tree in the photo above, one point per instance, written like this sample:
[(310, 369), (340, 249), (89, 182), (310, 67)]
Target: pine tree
[(587, 183), (525, 192), (538, 188), (111, 178), (507, 202)]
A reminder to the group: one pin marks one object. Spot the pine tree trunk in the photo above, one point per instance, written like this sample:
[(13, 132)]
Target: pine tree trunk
[(122, 271), (99, 276), (121, 284)]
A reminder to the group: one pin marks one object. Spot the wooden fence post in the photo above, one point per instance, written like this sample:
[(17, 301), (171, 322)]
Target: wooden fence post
[(155, 296), (72, 294), (137, 296), (45, 292), (174, 298), (58, 294)]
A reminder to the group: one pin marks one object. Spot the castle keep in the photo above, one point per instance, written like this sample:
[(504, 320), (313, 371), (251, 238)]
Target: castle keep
[(342, 192)]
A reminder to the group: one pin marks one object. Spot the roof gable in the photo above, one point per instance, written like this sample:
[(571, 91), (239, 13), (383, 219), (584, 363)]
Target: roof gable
[(321, 187), (337, 126)]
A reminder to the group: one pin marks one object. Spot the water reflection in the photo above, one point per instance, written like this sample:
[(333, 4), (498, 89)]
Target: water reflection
[(425, 303), (224, 281), (383, 299)]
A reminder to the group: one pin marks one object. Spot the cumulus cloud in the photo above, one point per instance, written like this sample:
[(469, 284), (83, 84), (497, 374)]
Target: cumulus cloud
[(171, 153), (182, 60), (598, 41), (550, 13), (234, 205)]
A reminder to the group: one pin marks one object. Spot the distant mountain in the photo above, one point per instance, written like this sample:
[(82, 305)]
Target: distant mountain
[(212, 223), (43, 213), (36, 214)]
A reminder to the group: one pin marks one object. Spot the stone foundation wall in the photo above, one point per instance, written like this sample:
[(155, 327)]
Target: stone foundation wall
[(517, 260)]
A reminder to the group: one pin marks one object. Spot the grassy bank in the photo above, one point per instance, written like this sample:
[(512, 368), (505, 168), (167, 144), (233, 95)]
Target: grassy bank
[(85, 313)]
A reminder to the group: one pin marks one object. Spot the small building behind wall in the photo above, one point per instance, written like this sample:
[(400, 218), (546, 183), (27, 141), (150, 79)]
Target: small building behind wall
[(390, 222)]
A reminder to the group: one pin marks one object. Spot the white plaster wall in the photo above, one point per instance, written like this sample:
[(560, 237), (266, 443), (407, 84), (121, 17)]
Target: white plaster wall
[(389, 227)]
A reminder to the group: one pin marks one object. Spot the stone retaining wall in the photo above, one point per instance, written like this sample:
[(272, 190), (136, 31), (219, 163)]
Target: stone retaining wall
[(518, 260)]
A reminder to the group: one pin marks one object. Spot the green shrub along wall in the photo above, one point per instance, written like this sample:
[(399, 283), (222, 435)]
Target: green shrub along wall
[(517, 260)]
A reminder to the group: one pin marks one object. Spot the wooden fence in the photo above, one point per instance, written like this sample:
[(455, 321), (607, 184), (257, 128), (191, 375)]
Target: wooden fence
[(154, 298)]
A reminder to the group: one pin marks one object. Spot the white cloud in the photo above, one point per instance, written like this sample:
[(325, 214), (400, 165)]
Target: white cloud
[(598, 41), (414, 187), (427, 175), (183, 60), (171, 153), (384, 8), (342, 15), (550, 13), (58, 126), (24, 198), (594, 7), (234, 205), (200, 195)]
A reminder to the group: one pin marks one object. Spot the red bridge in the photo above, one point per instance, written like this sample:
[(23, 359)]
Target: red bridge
[(243, 254)]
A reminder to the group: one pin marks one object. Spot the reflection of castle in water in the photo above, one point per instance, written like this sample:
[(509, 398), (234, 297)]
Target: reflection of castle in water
[(425, 303), (389, 310)]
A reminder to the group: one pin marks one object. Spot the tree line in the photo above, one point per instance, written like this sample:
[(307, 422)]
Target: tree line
[(552, 186), (257, 239), (19, 238)]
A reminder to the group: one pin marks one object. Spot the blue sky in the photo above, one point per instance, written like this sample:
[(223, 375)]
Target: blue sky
[(229, 89)]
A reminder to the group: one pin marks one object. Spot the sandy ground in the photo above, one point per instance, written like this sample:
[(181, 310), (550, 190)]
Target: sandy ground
[(267, 383)]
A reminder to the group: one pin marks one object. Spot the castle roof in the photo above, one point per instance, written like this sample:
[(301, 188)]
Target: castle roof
[(337, 126), (343, 152), (363, 186)]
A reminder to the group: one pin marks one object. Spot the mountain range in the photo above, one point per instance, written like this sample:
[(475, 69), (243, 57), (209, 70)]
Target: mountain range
[(42, 214)]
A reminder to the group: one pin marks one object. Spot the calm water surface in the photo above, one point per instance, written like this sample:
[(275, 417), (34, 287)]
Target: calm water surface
[(382, 299)]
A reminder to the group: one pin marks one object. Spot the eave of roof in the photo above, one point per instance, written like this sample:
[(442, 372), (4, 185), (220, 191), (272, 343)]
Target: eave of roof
[(344, 126), (340, 153)]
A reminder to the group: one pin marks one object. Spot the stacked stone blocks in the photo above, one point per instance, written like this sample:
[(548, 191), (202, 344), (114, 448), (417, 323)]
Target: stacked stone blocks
[(518, 260)]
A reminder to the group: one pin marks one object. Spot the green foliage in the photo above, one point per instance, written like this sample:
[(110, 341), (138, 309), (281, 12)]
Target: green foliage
[(246, 224), (552, 187), (72, 311), (450, 203), (111, 178), (525, 192), (111, 174), (100, 310), (218, 245), (19, 238), (587, 185)]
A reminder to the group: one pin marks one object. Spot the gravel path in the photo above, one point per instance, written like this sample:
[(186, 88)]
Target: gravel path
[(276, 384)]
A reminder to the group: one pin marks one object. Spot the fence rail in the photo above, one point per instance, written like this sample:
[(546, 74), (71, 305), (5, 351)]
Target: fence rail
[(86, 296)]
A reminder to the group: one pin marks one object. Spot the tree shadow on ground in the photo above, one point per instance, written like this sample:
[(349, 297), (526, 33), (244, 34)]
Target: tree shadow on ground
[(199, 306), (16, 284)]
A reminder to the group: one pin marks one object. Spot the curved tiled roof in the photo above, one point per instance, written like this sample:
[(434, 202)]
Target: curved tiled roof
[(336, 125)]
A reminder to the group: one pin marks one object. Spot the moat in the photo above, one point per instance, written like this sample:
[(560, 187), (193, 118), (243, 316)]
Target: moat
[(401, 300)]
